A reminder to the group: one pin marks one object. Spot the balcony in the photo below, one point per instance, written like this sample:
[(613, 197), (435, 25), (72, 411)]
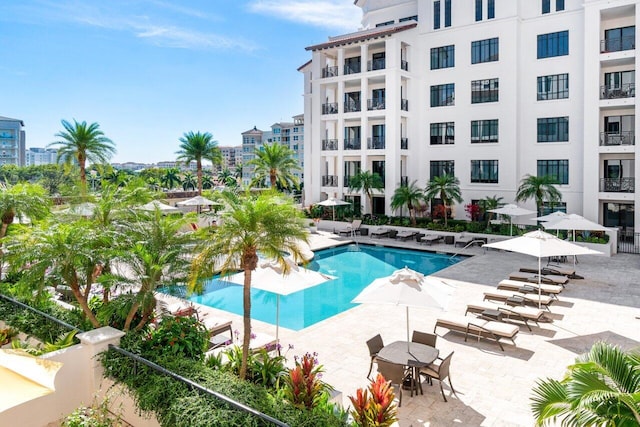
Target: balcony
[(329, 144), (617, 185), (330, 181), (347, 181), (404, 143), (626, 90), (617, 44), (404, 181), (329, 72), (352, 144), (404, 104), (617, 138), (352, 69), (404, 65), (375, 104), (351, 106), (376, 64), (375, 143), (330, 108)]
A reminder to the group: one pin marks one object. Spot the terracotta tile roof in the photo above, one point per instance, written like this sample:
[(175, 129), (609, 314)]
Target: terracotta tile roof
[(372, 33)]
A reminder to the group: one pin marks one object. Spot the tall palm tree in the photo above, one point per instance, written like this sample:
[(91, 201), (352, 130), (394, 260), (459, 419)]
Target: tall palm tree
[(410, 196), (265, 224), (171, 178), (199, 146), (277, 163), (490, 203), (600, 389), (445, 187), (81, 143), (366, 182), (539, 188)]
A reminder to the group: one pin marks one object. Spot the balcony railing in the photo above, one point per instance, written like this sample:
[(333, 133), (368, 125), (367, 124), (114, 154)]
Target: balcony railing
[(617, 44), (375, 143), (352, 144), (404, 104), (404, 65), (330, 108), (329, 144), (330, 181), (351, 106), (618, 138), (375, 104), (353, 68), (347, 181), (404, 181), (329, 71), (617, 185), (376, 64), (404, 143), (627, 90)]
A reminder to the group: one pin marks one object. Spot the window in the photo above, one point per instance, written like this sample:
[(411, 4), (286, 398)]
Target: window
[(553, 44), (442, 133), (484, 171), (442, 57), (478, 10), (556, 169), (559, 5), (409, 18), (443, 95), (483, 131), (549, 207), (377, 166), (383, 24), (553, 129), (546, 6), (491, 9), (617, 39), (485, 51), (447, 13), (441, 167), (436, 14), (352, 65), (484, 91), (553, 87)]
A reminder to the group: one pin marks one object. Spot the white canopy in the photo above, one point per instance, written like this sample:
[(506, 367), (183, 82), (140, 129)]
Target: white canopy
[(511, 210), (163, 207)]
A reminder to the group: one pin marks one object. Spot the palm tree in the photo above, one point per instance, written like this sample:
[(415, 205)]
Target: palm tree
[(171, 178), (198, 146), (445, 187), (277, 163), (207, 181), (490, 203), (265, 224), (539, 188), (81, 143), (367, 182), (600, 389), (189, 181), (409, 196)]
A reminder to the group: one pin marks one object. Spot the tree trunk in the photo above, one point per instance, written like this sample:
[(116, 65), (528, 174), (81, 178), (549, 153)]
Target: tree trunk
[(83, 175), (3, 232), (272, 178), (248, 264), (82, 301), (199, 173)]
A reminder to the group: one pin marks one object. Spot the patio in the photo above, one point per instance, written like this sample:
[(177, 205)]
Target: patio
[(493, 387)]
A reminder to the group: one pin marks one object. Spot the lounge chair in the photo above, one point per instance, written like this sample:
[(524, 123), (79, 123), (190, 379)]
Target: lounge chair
[(392, 233), (517, 312), (217, 329), (430, 239), (481, 328), (551, 279), (379, 232), (530, 287), (519, 298), (405, 235), (352, 229), (463, 241), (558, 271)]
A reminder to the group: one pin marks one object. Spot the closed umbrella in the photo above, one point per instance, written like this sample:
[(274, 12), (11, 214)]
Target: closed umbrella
[(408, 288), (511, 210), (333, 202)]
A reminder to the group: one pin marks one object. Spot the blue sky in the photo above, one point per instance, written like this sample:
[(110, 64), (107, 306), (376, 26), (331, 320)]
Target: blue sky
[(150, 70)]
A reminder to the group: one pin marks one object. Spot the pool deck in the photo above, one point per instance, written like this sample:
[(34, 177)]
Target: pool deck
[(493, 387)]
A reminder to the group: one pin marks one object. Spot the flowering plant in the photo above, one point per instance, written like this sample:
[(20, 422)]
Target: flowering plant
[(303, 386), (374, 407)]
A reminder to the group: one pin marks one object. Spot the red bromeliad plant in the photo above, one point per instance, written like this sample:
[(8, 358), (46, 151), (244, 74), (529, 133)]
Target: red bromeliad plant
[(303, 386), (375, 407)]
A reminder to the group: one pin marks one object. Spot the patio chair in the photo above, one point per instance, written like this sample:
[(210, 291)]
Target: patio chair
[(395, 374), (379, 232), (352, 229), (550, 279), (375, 344), (520, 313), (405, 235), (530, 287), (481, 328), (440, 372), (424, 338), (519, 298)]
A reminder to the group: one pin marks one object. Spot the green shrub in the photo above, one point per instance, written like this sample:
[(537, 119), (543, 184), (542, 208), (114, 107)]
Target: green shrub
[(181, 336)]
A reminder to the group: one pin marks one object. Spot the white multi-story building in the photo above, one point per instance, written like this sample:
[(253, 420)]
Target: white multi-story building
[(487, 90), (40, 156), (12, 141)]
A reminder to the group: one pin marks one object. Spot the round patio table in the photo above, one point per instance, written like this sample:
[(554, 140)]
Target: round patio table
[(415, 356)]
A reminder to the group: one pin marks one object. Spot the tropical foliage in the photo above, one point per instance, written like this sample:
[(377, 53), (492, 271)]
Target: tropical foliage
[(197, 147), (540, 189), (374, 407), (490, 203), (366, 182), (445, 187), (410, 196), (276, 163)]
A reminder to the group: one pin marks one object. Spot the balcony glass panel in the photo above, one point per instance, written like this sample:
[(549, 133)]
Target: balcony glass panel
[(352, 144), (330, 108), (376, 143), (329, 144), (330, 71)]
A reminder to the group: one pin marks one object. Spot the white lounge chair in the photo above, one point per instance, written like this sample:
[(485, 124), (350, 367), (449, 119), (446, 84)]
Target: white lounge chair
[(478, 327)]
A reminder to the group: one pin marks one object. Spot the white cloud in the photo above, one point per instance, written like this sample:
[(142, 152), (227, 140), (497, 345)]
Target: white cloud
[(333, 14), (168, 36)]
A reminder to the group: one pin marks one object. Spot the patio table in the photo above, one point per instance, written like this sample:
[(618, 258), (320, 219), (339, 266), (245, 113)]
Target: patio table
[(414, 356)]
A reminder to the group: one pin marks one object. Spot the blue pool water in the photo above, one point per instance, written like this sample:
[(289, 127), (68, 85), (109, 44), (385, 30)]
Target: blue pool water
[(354, 268)]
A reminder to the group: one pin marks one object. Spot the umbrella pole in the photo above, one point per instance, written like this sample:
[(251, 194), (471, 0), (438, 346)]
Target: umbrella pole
[(539, 284), (510, 227), (407, 328), (278, 323)]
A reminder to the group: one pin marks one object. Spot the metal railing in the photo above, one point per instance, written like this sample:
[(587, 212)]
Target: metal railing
[(347, 181), (626, 90), (351, 106), (618, 138), (329, 71), (376, 64), (616, 44), (329, 144), (404, 65), (375, 143), (617, 185), (375, 104), (353, 68), (40, 313), (404, 104), (330, 181), (404, 181), (195, 386), (352, 144), (404, 143), (330, 108)]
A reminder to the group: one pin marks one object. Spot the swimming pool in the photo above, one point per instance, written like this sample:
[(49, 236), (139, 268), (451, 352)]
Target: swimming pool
[(354, 268)]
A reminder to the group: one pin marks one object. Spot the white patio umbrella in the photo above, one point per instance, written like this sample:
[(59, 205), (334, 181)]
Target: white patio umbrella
[(85, 209), (408, 288), (164, 208), (270, 277), (540, 244), (511, 210), (333, 202), (198, 201), (553, 216), (574, 222)]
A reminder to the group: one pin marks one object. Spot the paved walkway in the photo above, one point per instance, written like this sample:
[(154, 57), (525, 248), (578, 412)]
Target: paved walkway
[(493, 387)]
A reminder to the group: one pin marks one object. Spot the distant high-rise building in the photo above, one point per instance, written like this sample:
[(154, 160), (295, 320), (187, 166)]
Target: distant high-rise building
[(35, 156), (230, 156), (251, 140), (12, 141)]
